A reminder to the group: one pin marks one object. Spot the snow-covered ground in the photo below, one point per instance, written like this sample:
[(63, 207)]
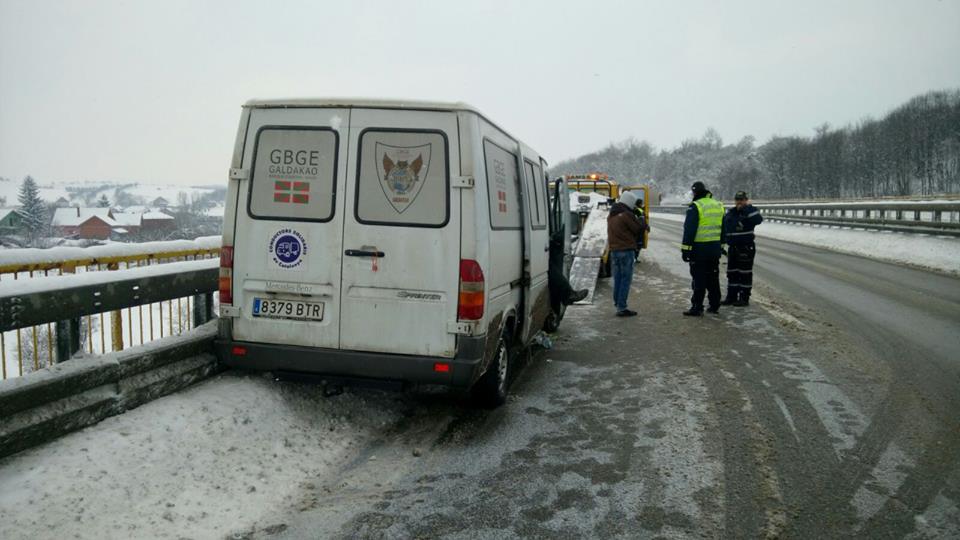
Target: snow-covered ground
[(212, 459), (51, 191), (934, 252)]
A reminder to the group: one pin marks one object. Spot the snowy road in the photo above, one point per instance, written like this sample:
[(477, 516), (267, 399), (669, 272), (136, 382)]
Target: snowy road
[(830, 409)]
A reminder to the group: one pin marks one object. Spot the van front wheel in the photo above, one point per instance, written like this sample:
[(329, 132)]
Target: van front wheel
[(491, 390)]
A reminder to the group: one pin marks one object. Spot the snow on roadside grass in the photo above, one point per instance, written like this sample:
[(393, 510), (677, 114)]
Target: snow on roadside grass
[(933, 252), (203, 463)]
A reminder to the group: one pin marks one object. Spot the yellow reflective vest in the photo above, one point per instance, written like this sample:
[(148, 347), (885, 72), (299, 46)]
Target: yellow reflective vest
[(711, 220)]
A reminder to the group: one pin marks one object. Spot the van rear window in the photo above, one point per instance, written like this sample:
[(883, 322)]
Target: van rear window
[(294, 174), (402, 178)]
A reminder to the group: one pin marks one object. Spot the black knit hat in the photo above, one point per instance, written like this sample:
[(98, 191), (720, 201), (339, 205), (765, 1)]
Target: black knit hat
[(698, 188)]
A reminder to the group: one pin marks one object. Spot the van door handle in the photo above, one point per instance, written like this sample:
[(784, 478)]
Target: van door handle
[(362, 253)]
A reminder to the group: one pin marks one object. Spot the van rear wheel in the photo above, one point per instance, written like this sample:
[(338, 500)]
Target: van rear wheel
[(491, 390)]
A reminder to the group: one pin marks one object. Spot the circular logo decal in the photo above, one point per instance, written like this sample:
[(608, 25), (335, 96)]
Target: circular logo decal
[(287, 248)]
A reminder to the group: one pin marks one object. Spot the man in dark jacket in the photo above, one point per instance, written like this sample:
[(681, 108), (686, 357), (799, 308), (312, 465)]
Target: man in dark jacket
[(701, 247), (738, 225), (623, 230)]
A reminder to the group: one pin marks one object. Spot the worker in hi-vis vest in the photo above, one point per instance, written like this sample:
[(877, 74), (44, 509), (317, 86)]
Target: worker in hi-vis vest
[(701, 247)]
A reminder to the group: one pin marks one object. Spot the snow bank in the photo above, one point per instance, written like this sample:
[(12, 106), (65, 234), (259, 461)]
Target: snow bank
[(67, 281), (208, 461), (112, 249), (932, 252)]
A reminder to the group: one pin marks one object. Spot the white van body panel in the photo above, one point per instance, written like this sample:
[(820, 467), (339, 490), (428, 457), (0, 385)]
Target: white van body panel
[(403, 301), (318, 277), (537, 246), (503, 268)]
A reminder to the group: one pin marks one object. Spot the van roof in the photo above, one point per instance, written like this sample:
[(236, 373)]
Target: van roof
[(371, 103), (364, 103)]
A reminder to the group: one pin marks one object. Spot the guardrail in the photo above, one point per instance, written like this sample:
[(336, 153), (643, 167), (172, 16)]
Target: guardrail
[(55, 302), (914, 217), (935, 217)]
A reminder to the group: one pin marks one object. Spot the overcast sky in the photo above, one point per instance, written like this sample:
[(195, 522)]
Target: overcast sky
[(151, 90)]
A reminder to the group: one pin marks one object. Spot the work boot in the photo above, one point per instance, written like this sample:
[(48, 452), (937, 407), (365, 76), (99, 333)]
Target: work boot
[(577, 296), (626, 313), (729, 300), (742, 302), (694, 312), (714, 309)]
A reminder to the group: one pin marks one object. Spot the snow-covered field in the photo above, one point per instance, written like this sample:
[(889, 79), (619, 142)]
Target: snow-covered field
[(51, 191), (938, 253)]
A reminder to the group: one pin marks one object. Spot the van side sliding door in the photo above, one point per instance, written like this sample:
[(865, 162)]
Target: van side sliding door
[(537, 246)]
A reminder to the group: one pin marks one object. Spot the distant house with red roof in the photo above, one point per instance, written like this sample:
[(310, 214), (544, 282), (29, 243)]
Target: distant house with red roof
[(84, 223)]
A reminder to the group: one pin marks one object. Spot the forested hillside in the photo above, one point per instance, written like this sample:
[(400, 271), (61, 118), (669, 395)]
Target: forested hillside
[(913, 150)]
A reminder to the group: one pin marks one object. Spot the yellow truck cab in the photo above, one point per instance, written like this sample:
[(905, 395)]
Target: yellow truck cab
[(593, 182)]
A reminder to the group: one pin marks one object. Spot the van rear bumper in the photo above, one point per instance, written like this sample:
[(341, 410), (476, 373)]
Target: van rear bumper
[(464, 369)]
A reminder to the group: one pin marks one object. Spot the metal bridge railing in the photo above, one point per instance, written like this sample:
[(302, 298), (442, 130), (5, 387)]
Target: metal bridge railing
[(58, 302), (916, 217), (941, 218)]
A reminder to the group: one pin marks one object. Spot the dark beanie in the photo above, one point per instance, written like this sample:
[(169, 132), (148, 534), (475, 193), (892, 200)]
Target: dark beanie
[(698, 188)]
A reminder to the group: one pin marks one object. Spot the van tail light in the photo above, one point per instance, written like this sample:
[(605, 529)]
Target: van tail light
[(226, 275), (470, 305)]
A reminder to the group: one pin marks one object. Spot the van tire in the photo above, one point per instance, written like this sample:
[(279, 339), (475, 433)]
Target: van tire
[(491, 390)]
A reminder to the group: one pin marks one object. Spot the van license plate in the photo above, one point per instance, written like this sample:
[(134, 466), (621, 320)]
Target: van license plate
[(287, 309)]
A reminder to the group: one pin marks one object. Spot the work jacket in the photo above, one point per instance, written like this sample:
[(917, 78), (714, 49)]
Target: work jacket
[(738, 224), (703, 228), (623, 228)]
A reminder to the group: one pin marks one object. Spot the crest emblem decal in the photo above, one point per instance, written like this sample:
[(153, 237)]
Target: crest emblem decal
[(402, 170)]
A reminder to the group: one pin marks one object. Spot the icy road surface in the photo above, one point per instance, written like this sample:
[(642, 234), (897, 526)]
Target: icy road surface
[(829, 409)]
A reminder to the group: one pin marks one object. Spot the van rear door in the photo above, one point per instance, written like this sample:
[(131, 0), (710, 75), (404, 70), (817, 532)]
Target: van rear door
[(401, 236), (288, 236)]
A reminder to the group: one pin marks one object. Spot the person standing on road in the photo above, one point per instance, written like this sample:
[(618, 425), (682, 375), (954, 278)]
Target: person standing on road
[(623, 230), (738, 225), (701, 247)]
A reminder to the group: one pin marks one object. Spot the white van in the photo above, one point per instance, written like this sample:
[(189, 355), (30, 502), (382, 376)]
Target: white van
[(384, 240)]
